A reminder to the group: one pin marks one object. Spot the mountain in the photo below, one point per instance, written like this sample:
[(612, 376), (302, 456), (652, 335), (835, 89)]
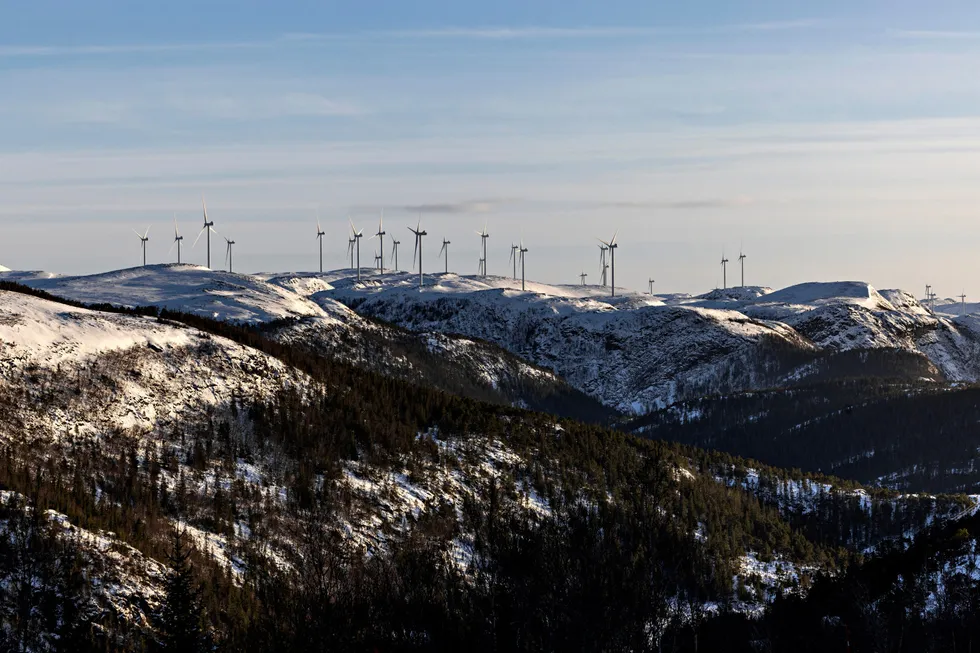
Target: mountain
[(332, 506), (275, 305), (639, 353)]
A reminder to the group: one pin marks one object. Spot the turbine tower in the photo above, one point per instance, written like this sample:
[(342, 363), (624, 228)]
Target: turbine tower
[(483, 241), (582, 277), (228, 258), (177, 239), (445, 250), (145, 236), (357, 240), (513, 257), (394, 250), (377, 259), (419, 233), (350, 250), (319, 236), (523, 251), (651, 281), (603, 266), (741, 261), (381, 239), (207, 229), (928, 294), (962, 303), (724, 271), (611, 245)]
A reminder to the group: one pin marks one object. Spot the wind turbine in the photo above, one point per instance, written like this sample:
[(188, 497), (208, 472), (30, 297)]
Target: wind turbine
[(724, 271), (483, 241), (582, 277), (612, 259), (513, 257), (350, 250), (602, 263), (394, 250), (357, 240), (228, 252), (928, 293), (208, 228), (145, 236), (319, 236), (523, 251), (419, 233), (962, 303), (377, 259), (741, 261), (650, 281), (177, 239), (381, 239), (445, 250)]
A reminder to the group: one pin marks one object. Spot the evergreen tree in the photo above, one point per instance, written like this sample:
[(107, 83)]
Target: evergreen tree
[(180, 616)]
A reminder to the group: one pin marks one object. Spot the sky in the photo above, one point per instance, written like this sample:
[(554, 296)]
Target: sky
[(828, 141)]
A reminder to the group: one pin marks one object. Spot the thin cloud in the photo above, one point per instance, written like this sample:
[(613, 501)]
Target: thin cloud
[(486, 33), (934, 34), (473, 206)]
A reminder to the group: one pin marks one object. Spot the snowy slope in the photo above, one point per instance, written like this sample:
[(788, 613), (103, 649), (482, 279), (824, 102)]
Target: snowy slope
[(187, 288), (638, 352)]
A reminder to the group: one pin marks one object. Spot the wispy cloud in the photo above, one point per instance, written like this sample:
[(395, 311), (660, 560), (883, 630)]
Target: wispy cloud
[(471, 206), (919, 34), (485, 33)]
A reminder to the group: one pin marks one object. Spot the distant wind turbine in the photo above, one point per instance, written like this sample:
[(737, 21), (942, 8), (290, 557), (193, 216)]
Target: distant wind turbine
[(381, 239), (319, 236), (724, 271), (523, 251), (394, 250), (928, 294), (741, 261), (207, 229), (419, 233), (483, 241), (513, 257), (611, 245), (350, 250), (177, 239), (582, 277), (651, 281), (445, 250), (962, 303), (357, 240), (377, 259), (228, 258), (603, 266), (145, 236)]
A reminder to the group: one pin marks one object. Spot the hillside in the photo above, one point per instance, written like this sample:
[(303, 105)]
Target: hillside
[(286, 468), (276, 306), (638, 353)]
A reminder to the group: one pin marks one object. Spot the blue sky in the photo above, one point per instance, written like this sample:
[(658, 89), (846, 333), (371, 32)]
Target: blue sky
[(833, 140)]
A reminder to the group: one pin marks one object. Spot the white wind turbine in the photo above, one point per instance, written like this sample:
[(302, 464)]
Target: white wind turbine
[(357, 240), (611, 246), (145, 236), (208, 228), (319, 236), (228, 259), (419, 233), (177, 239)]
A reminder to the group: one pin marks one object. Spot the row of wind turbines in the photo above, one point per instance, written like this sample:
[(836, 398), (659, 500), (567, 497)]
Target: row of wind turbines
[(518, 252), (208, 229)]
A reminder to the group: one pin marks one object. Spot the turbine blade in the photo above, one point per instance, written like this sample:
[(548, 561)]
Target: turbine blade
[(199, 237), (171, 250), (176, 232), (205, 205), (613, 241), (603, 242), (147, 233), (138, 234)]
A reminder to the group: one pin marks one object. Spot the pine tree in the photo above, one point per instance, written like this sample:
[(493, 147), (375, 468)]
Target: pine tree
[(180, 617)]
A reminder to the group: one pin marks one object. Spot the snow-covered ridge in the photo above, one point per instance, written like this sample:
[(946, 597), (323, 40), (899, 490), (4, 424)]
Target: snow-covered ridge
[(634, 352)]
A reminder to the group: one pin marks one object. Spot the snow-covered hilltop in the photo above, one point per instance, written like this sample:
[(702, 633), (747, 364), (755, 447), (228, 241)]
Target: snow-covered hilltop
[(634, 352)]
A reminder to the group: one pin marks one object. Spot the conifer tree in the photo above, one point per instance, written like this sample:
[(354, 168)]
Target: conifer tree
[(180, 617)]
